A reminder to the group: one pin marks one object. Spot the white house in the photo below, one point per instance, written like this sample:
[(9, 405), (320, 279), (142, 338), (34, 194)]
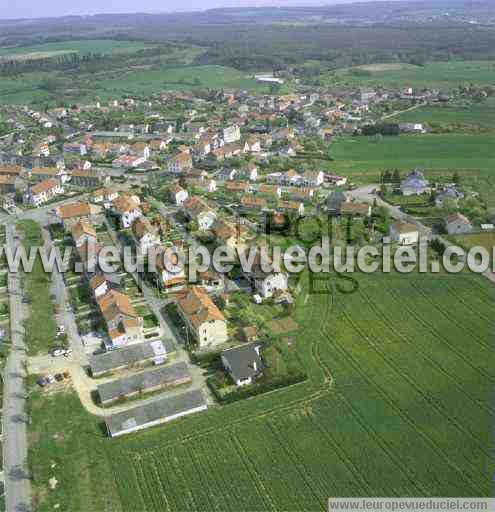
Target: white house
[(145, 235), (180, 163), (171, 271), (313, 178), (264, 280), (197, 209), (404, 233), (44, 191), (458, 224), (83, 233), (127, 208), (178, 195), (231, 134)]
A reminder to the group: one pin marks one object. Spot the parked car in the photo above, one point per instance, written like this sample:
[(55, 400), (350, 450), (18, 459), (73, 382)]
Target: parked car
[(59, 377), (68, 352), (50, 378), (57, 352), (60, 330), (42, 382)]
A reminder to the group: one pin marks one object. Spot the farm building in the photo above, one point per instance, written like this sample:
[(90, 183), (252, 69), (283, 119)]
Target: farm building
[(115, 360), (144, 382), (155, 413), (404, 233)]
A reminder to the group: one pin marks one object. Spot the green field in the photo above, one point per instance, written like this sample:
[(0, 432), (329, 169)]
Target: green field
[(398, 403), (472, 156), (444, 75), (470, 115), (82, 47)]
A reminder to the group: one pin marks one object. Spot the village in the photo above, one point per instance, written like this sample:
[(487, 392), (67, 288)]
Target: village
[(230, 169)]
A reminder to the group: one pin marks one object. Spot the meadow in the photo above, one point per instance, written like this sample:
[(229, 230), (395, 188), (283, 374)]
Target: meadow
[(442, 75), (458, 116), (472, 156), (398, 403), (82, 47)]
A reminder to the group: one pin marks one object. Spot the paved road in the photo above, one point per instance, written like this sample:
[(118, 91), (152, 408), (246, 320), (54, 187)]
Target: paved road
[(15, 446)]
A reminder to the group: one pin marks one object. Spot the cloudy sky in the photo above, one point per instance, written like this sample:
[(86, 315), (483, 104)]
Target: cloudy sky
[(11, 9)]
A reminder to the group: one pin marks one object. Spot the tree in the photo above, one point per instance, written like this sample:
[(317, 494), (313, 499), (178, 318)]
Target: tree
[(456, 178)]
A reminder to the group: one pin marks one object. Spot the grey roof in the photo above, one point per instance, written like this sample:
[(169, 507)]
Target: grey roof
[(148, 380), (126, 356), (154, 412), (241, 361), (335, 199)]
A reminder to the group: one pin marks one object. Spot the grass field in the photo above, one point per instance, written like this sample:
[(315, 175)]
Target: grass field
[(471, 115), (82, 47), (486, 240), (473, 156), (446, 75), (398, 402)]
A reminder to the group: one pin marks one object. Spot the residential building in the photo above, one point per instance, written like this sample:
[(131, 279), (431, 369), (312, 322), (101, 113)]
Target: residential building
[(263, 278), (83, 232), (291, 206), (355, 209), (231, 134), (414, 184), (243, 363), (458, 224), (123, 323), (195, 208), (177, 194), (171, 271), (88, 178), (127, 209), (180, 163), (44, 191), (204, 320), (404, 233), (145, 235)]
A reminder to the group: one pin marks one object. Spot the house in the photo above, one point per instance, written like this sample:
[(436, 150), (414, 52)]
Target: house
[(88, 178), (228, 235), (404, 233), (301, 194), (458, 224), (334, 202), (7, 184), (180, 163), (206, 186), (141, 149), (414, 184), (291, 178), (355, 209), (283, 134), (145, 235), (333, 179), (411, 128), (450, 193), (263, 279), (128, 161), (83, 233), (287, 151), (104, 195), (313, 178), (226, 174), (237, 186), (123, 323), (11, 170), (291, 206), (250, 333), (195, 208), (171, 272), (253, 202), (177, 194), (74, 212), (252, 145), (243, 363), (250, 172), (270, 190), (231, 134), (101, 284), (127, 208), (202, 317), (44, 191)]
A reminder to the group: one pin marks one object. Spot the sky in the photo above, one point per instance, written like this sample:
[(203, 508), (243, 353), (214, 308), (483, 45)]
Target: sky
[(13, 9)]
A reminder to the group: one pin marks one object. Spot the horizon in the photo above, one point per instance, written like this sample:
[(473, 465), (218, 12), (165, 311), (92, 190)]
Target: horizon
[(25, 10)]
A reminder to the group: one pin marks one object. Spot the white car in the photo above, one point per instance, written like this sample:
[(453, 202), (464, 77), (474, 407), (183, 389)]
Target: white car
[(57, 352), (50, 378), (60, 330)]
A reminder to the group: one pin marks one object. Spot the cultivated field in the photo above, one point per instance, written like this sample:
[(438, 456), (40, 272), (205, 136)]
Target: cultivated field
[(399, 402), (445, 75), (83, 47)]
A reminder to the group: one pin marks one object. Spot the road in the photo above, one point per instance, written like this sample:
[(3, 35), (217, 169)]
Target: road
[(14, 418)]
